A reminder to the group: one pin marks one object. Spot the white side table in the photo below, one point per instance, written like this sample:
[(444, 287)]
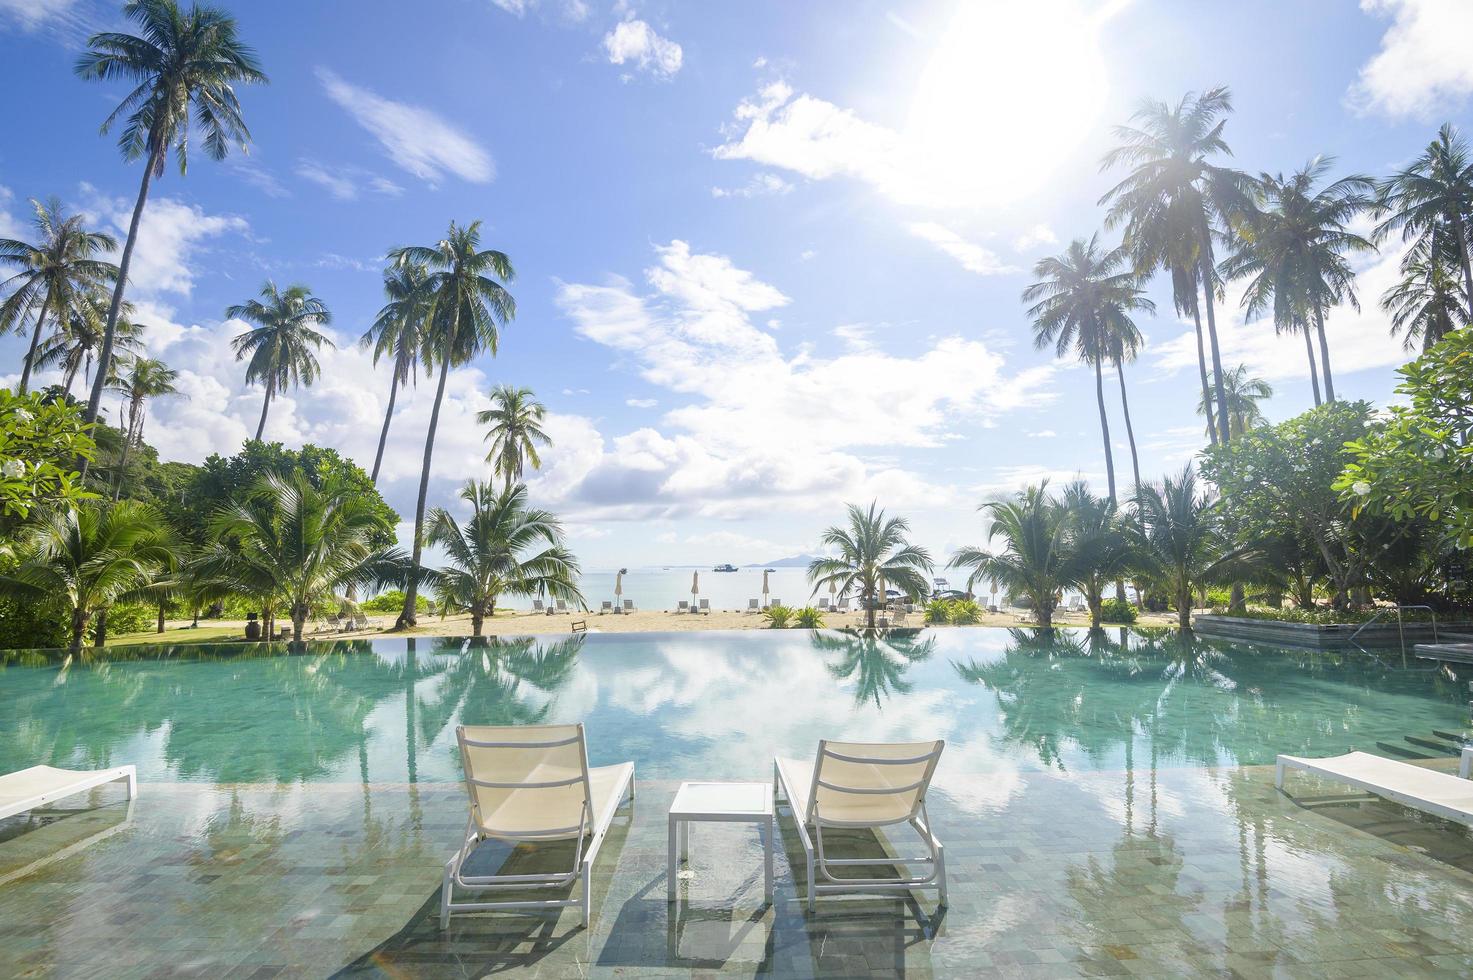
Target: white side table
[(719, 803)]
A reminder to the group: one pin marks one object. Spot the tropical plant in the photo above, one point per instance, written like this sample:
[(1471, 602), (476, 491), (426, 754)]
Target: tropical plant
[(1244, 392), (56, 273), (937, 612), (180, 61), (1123, 341), (141, 378), (40, 441), (1117, 611), (1100, 543), (1037, 559), (808, 618), (398, 334), (282, 347), (466, 307), (1433, 198), (1182, 543), (777, 617), (515, 420), (1427, 301), (504, 548), (73, 346), (1174, 195), (871, 550), (92, 555), (963, 612)]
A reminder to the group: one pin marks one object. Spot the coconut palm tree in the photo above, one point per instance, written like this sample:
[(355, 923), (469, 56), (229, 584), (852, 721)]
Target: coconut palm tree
[(871, 548), (140, 378), (181, 61), (1243, 395), (1038, 558), (1427, 301), (1081, 300), (505, 548), (1292, 248), (55, 273), (467, 307), (1434, 195), (1174, 195), (74, 345), (1122, 341), (90, 556), (398, 333), (283, 345), (1181, 539), (1100, 541), (515, 420)]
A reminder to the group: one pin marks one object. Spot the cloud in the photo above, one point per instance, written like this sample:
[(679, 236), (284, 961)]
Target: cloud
[(854, 335), (641, 402), (346, 182), (1423, 66), (1039, 234), (415, 138), (170, 237), (30, 15), (251, 172), (572, 11), (761, 185), (634, 42), (973, 257)]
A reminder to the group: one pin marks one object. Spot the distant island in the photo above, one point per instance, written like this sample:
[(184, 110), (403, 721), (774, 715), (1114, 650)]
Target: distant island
[(792, 561)]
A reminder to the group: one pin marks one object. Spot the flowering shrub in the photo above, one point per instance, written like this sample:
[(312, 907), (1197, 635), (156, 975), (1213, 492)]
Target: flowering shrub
[(40, 443)]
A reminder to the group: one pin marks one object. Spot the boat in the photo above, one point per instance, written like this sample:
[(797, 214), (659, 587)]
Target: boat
[(623, 571), (769, 570), (724, 568)]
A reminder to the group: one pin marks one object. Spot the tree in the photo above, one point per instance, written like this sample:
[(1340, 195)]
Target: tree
[(141, 378), (1427, 302), (93, 555), (871, 548), (180, 61), (1100, 542), (1181, 538), (40, 440), (1433, 196), (74, 345), (398, 333), (503, 548), (1123, 342), (56, 272), (1037, 559), (1174, 194), (467, 306), (515, 420), (1243, 395), (282, 348)]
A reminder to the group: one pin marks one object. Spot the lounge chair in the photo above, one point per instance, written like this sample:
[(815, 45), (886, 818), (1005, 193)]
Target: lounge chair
[(334, 623), (705, 607), (897, 618), (823, 604), (607, 607), (629, 605), (562, 607), (684, 606), (360, 621), (754, 605), (532, 784), (537, 607), (863, 785), (1438, 793), (843, 605), (39, 785)]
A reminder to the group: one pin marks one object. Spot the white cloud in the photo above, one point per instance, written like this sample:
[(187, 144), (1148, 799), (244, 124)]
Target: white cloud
[(641, 402), (854, 335), (572, 11), (1039, 234), (415, 138), (973, 257), (252, 172), (346, 182), (170, 237), (31, 14), (806, 254), (761, 185), (10, 226), (635, 42), (1423, 65), (514, 7)]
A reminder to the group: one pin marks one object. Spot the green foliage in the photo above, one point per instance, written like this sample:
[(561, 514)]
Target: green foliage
[(1118, 611), (871, 548), (938, 612), (1038, 558), (131, 617), (778, 617), (40, 441), (808, 618), (26, 623), (964, 612), (392, 601), (1321, 617)]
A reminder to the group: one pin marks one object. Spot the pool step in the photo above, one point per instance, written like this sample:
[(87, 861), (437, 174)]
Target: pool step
[(1458, 740), (1427, 743), (1401, 750)]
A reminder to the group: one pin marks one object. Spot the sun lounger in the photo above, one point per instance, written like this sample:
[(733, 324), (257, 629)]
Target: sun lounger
[(532, 784), (843, 605), (37, 786), (753, 605), (537, 606), (629, 605), (823, 604), (1438, 793), (360, 621), (607, 607), (705, 607), (864, 785), (684, 606), (562, 607)]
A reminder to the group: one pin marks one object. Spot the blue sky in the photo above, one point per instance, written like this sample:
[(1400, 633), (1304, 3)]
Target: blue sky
[(769, 254)]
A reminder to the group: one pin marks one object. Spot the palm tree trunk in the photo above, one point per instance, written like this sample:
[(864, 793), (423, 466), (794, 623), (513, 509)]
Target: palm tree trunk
[(1319, 326), (1135, 463), (1314, 374), (122, 467), (1105, 428), (79, 629), (265, 406), (99, 636), (411, 590), (1207, 268), (94, 403), (161, 615), (25, 371), (383, 436), (1202, 369), (1463, 258)]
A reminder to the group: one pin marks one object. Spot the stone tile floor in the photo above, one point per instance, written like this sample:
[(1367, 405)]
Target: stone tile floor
[(1184, 872)]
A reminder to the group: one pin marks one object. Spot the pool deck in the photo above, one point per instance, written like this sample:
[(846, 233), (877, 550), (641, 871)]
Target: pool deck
[(1188, 871)]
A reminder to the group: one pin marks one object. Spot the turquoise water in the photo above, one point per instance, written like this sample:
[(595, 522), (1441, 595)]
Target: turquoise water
[(712, 704)]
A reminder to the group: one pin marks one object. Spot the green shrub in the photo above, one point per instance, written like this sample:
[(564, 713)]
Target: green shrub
[(778, 617), (964, 612), (808, 618), (1117, 611), (131, 617), (392, 601), (938, 612), (27, 624)]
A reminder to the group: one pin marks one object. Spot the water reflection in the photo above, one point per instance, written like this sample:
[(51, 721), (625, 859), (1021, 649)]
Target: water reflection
[(874, 661)]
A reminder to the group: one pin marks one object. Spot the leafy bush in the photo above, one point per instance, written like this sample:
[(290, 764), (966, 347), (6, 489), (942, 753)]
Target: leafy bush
[(808, 618), (393, 602), (1324, 617), (131, 617), (964, 612), (778, 617), (1117, 611), (40, 441), (27, 624), (938, 611)]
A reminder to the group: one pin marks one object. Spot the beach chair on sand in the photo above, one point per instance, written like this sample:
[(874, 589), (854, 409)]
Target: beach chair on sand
[(29, 789), (532, 784), (863, 785), (754, 605), (607, 607), (823, 604), (843, 605), (629, 605), (537, 606), (562, 607), (705, 607), (684, 606), (360, 621)]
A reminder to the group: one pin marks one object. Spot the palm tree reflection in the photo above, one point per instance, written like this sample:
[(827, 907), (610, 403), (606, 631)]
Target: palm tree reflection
[(875, 660)]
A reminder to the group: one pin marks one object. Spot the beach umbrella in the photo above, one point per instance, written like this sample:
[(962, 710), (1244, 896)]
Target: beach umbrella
[(833, 591), (880, 596), (618, 590), (695, 585), (764, 588)]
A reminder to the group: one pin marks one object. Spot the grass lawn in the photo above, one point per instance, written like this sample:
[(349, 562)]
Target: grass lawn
[(203, 634)]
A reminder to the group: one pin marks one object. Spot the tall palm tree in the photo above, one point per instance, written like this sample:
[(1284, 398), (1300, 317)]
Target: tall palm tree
[(1100, 542), (503, 548), (180, 61), (1082, 299), (398, 333), (74, 345), (515, 420), (1123, 341), (1427, 302), (1244, 392), (467, 306), (140, 378), (871, 548), (55, 273), (1174, 195), (1038, 558), (1293, 247), (1181, 539), (283, 345), (1434, 194)]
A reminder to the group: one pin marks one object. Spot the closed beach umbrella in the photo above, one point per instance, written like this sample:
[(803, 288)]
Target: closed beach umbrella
[(880, 596), (695, 584), (764, 588), (833, 591), (618, 590)]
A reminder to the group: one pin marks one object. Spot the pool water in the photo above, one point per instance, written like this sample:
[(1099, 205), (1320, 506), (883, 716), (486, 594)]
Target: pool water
[(712, 704)]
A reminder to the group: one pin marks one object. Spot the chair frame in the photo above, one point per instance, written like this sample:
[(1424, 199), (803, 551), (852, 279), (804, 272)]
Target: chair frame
[(813, 850), (583, 858)]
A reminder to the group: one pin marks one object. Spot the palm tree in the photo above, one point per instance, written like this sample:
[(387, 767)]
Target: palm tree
[(1099, 540), (282, 346), (504, 548), (73, 346), (56, 273), (398, 333), (1434, 195), (466, 308), (1080, 303), (141, 378), (515, 418), (1427, 302), (1181, 538), (1123, 341), (871, 549), (1243, 395), (290, 542), (1174, 194), (1038, 558), (1293, 248), (90, 556)]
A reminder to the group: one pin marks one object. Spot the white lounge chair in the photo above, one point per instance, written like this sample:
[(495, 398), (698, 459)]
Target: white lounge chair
[(863, 785), (705, 607), (1438, 793), (843, 605), (684, 606), (39, 785), (532, 784), (607, 607), (562, 607), (629, 605), (754, 605), (537, 606)]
